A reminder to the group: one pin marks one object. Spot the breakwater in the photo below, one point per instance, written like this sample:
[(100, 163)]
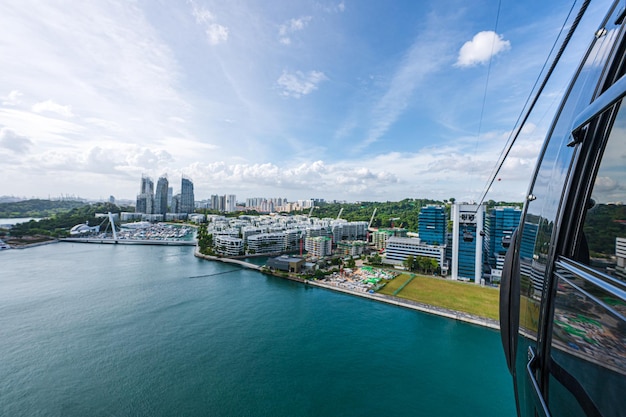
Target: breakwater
[(226, 260)]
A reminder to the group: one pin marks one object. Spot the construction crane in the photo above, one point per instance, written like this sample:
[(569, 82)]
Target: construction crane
[(372, 218), (339, 215), (311, 212)]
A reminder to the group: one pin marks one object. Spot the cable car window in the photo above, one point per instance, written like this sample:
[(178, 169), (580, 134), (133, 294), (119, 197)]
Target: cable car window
[(605, 221), (587, 367)]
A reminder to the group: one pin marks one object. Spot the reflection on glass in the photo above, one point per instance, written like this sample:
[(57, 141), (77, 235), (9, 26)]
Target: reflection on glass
[(588, 355), (605, 222), (588, 323)]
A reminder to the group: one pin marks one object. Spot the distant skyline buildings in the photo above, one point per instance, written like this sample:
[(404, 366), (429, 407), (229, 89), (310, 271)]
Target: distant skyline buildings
[(163, 201), (187, 199), (160, 197)]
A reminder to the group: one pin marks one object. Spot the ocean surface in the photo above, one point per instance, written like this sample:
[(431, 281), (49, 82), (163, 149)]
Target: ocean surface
[(116, 330)]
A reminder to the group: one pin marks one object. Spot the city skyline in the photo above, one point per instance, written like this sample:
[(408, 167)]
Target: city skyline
[(337, 100)]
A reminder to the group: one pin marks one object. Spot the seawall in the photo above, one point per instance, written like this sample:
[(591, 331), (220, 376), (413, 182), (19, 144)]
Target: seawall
[(425, 308)]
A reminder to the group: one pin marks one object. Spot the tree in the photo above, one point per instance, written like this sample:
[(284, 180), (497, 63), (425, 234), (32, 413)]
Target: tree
[(409, 263), (351, 263), (375, 259)]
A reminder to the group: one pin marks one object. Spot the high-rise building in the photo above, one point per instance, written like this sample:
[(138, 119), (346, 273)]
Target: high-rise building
[(231, 203), (500, 224), (187, 200), (160, 197), (467, 242), (170, 195), (433, 224), (176, 205), (145, 198)]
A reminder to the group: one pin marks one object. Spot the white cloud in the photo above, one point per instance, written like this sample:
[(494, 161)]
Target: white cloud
[(217, 33), (314, 175), (201, 14), (481, 48), (334, 8), (14, 142), (51, 106), (12, 99), (298, 84), (291, 26)]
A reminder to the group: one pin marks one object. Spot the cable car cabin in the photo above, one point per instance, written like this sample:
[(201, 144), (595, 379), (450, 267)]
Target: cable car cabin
[(563, 291)]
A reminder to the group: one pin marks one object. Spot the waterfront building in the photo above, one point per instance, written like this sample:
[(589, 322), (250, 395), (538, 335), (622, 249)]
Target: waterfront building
[(400, 248), (196, 218), (175, 216), (319, 246), (500, 224), (187, 201), (130, 217), (351, 247), (433, 225), (248, 231), (314, 231), (160, 197), (293, 239), (344, 230), (228, 245), (84, 230), (381, 236), (286, 263), (266, 243), (467, 242)]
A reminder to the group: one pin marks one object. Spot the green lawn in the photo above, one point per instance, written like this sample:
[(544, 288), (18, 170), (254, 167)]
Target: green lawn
[(454, 295)]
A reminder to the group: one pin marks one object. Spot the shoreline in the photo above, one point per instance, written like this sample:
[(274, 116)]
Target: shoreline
[(400, 302), (32, 245)]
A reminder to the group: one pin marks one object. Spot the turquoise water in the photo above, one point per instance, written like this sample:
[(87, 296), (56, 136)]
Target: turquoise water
[(122, 330)]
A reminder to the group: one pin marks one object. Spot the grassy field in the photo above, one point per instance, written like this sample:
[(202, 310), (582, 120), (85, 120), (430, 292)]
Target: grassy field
[(454, 295)]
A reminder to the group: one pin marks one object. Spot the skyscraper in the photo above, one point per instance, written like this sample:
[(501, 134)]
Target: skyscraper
[(160, 198), (145, 198), (432, 225), (231, 203), (170, 195), (500, 224), (467, 242), (187, 200)]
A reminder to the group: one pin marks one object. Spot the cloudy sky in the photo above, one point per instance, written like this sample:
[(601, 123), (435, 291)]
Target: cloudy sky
[(341, 99)]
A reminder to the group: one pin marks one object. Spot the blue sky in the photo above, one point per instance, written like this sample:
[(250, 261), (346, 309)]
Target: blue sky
[(349, 100)]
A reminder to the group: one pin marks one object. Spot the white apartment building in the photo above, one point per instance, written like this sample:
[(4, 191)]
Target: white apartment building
[(400, 248), (266, 243), (228, 245), (319, 246), (351, 248)]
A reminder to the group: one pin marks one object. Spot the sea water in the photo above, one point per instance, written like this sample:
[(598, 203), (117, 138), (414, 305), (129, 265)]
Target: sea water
[(116, 330)]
